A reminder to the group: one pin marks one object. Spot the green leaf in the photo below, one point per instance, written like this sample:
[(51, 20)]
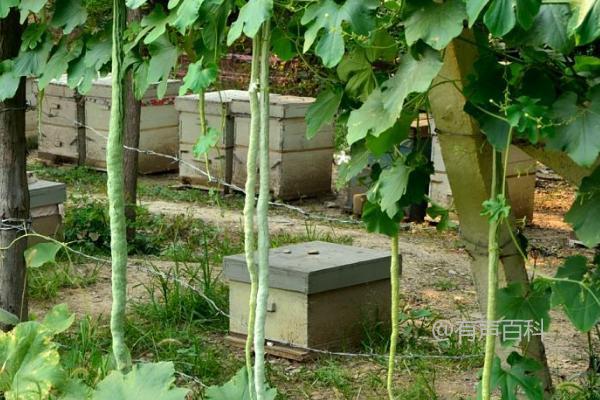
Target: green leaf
[(41, 254), (30, 363), (68, 14), (500, 17), (578, 303), (27, 6), (520, 302), (589, 30), (283, 46), (584, 215), (384, 106), (155, 24), (577, 132), (144, 381), (359, 160), (527, 10), (140, 79), (80, 76), (436, 23), (5, 6), (32, 36), (587, 64), (378, 221), (550, 28), (8, 318), (385, 142), (133, 4), (206, 142), (496, 209), (59, 62), (581, 9), (329, 16), (390, 187), (237, 389), (58, 320), (187, 14), (434, 211), (474, 8), (32, 62), (9, 81), (519, 375), (323, 110), (381, 46), (356, 70), (198, 78), (164, 57), (496, 131), (252, 15)]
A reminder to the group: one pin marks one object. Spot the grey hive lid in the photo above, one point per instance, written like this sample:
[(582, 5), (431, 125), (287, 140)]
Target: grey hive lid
[(44, 193), (297, 267)]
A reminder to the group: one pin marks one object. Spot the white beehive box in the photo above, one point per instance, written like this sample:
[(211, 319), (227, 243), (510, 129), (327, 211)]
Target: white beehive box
[(299, 167), (218, 116), (520, 181), (320, 294), (58, 137), (46, 204)]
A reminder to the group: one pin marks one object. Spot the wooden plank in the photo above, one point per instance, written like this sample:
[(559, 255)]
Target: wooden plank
[(273, 348)]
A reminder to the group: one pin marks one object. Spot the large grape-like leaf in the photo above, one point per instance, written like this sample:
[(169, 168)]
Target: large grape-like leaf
[(6, 5), (378, 221), (144, 381), (58, 319), (41, 254), (520, 302), (59, 61), (584, 214), (27, 6), (164, 57), (68, 14), (323, 110), (9, 81), (30, 360), (252, 15), (32, 36), (500, 17), (550, 28), (237, 389), (384, 106), (589, 30), (577, 129), (8, 318), (474, 8), (32, 62), (187, 14), (581, 9), (390, 187), (155, 24), (198, 78), (206, 142), (519, 375), (133, 4), (578, 303), (329, 16), (356, 70), (526, 11), (436, 23)]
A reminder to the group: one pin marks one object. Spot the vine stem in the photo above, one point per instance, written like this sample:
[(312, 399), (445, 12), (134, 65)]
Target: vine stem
[(262, 209), (203, 128), (395, 292), (116, 190), (249, 206)]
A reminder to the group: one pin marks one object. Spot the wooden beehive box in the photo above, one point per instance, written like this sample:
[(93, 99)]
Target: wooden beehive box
[(299, 167), (218, 116), (46, 203), (320, 296), (520, 181), (58, 138)]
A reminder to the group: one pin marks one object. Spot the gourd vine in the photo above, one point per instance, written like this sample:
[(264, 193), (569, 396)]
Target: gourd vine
[(116, 190)]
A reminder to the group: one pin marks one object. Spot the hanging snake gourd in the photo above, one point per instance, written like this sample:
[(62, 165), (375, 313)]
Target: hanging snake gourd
[(262, 209), (116, 193), (249, 204)]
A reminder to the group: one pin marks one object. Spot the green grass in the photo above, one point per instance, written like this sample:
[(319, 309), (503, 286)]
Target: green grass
[(44, 283), (445, 285), (79, 179)]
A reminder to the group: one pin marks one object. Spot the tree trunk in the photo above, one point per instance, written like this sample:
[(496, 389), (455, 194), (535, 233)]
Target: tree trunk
[(81, 133), (131, 126), (14, 193)]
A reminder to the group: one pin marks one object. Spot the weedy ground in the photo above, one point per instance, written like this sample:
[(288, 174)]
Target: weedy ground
[(182, 237)]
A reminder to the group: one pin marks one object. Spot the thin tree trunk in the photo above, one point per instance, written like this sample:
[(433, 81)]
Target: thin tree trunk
[(81, 133), (14, 194), (131, 127)]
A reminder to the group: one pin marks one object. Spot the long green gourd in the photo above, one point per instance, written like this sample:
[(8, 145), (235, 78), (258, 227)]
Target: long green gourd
[(493, 260), (249, 205), (116, 190), (395, 292), (263, 218)]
